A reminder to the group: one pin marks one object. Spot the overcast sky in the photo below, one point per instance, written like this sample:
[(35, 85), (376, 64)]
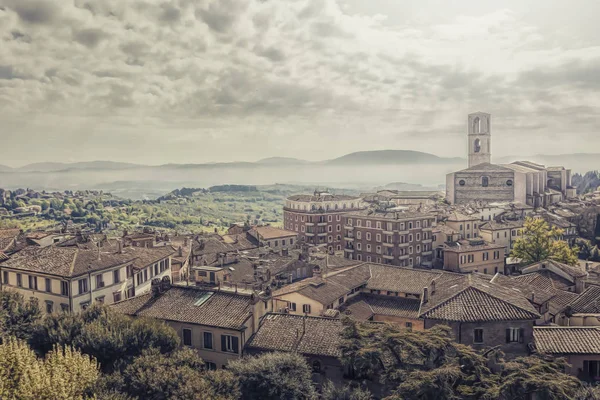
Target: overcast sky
[(190, 81)]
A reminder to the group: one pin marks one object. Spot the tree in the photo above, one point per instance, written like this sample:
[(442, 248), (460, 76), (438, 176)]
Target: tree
[(415, 365), (109, 337), (274, 376), (331, 392), (63, 374), (522, 377), (540, 242), (17, 315)]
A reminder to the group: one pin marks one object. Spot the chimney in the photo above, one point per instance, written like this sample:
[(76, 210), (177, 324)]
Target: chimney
[(165, 284), (433, 287), (317, 271), (119, 246), (588, 265), (180, 251), (185, 241), (425, 295), (155, 286)]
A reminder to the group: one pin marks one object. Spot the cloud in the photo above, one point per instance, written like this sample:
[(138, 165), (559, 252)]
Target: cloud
[(302, 71)]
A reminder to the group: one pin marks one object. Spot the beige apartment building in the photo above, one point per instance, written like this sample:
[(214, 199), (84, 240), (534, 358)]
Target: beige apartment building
[(474, 255), (318, 218), (399, 238), (466, 225), (217, 324), (70, 278), (503, 233)]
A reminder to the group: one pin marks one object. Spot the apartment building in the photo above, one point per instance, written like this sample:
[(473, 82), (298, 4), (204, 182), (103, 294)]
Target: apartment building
[(318, 218), (71, 278), (215, 323), (503, 233), (474, 255), (389, 237), (466, 225)]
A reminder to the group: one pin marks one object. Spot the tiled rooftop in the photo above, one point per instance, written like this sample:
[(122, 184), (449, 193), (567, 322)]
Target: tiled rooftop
[(587, 302), (295, 333), (567, 339), (365, 305), (191, 305)]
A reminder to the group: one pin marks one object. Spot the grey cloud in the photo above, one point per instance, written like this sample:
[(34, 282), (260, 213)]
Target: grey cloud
[(6, 72), (272, 53), (169, 13), (220, 15), (90, 37), (35, 11), (580, 74)]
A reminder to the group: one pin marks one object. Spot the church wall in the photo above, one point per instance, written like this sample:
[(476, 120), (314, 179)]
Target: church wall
[(520, 187), (497, 190)]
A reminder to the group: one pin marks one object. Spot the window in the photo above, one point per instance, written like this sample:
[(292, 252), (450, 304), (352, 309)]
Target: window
[(359, 235), (591, 369), (368, 235), (341, 300), (48, 285), (116, 276), (64, 307), (100, 299), (49, 307), (116, 296), (33, 282), (207, 340), (485, 181), (292, 306), (202, 273), (329, 218), (338, 218), (409, 325), (210, 366), (418, 237), (509, 182), (83, 285), (378, 237), (359, 222), (486, 256), (316, 366), (229, 344), (514, 335), (378, 225), (368, 248), (187, 337), (378, 249), (478, 335), (64, 288), (410, 225), (462, 182), (84, 305), (306, 308), (99, 281), (358, 246), (368, 224), (5, 277)]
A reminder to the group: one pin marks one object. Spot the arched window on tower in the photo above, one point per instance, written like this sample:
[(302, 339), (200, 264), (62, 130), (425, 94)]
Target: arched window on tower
[(477, 146), (476, 125), (485, 181)]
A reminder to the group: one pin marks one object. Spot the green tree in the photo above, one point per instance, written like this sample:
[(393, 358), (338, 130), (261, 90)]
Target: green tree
[(541, 242), (17, 315), (331, 392), (274, 376), (524, 376), (63, 374), (415, 365)]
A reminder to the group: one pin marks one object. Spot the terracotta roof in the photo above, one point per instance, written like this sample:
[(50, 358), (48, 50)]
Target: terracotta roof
[(271, 232), (191, 305), (587, 302), (464, 246), (575, 271), (400, 279), (456, 216), (567, 339), (367, 304), (395, 215), (495, 225), (546, 280), (295, 333), (72, 261), (3, 256), (473, 298), (7, 236), (486, 167)]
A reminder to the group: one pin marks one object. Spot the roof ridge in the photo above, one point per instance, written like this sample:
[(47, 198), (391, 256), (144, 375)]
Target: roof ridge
[(72, 267)]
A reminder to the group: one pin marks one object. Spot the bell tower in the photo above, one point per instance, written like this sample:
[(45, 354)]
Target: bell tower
[(480, 138)]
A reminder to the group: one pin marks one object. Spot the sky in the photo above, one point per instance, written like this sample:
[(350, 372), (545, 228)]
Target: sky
[(193, 81)]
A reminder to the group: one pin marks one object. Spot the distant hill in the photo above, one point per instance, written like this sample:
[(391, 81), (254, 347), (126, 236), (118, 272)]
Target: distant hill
[(281, 161), (396, 157), (5, 168), (53, 167)]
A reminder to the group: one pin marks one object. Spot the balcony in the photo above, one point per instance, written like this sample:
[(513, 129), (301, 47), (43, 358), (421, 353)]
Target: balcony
[(388, 232), (405, 244), (427, 253), (428, 229), (403, 232), (322, 234), (388, 257), (349, 238), (309, 234), (310, 224), (321, 223), (349, 227), (349, 250), (404, 257), (386, 244), (427, 241)]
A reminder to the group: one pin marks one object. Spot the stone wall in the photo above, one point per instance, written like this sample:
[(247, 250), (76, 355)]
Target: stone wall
[(472, 190)]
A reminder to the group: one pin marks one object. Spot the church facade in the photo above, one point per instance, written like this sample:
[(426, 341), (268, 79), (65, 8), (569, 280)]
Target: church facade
[(524, 182)]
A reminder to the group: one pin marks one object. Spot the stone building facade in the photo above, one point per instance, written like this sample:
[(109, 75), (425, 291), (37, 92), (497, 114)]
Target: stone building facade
[(318, 218), (521, 181), (389, 237)]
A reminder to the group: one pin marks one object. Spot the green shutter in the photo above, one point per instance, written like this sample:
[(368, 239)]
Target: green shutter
[(223, 343), (235, 344)]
